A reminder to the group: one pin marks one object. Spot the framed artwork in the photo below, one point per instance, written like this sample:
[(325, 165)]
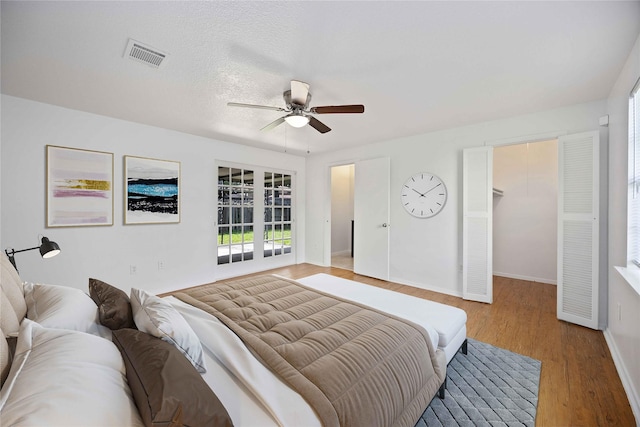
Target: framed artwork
[(79, 187), (152, 193)]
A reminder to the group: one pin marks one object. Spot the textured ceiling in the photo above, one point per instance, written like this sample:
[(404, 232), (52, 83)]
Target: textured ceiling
[(416, 66)]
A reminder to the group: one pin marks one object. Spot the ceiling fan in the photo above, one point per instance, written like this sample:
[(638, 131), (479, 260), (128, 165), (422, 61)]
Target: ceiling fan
[(297, 105)]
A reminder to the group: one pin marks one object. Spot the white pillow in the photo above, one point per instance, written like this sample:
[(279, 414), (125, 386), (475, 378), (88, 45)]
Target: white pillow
[(62, 307), (66, 378), (157, 317)]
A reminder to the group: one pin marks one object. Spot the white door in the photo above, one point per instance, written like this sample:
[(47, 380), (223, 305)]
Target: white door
[(578, 227), (477, 224), (371, 218)]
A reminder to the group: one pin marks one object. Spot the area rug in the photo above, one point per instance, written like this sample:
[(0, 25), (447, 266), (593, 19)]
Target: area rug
[(489, 386)]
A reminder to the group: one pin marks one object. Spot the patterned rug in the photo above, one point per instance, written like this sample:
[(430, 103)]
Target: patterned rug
[(490, 386)]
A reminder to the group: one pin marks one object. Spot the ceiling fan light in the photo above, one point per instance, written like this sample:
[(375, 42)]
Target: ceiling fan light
[(297, 121)]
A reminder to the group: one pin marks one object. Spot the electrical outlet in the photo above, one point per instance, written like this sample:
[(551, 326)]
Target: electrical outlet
[(160, 265), (133, 269)]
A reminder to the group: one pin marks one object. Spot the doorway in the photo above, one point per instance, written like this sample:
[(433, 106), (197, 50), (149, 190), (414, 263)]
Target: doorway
[(366, 192), (580, 208), (525, 211), (342, 216)]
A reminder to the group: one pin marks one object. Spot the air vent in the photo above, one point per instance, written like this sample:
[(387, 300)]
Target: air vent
[(144, 53)]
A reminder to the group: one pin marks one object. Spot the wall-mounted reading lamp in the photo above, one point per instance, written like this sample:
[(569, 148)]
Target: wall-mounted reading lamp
[(48, 249)]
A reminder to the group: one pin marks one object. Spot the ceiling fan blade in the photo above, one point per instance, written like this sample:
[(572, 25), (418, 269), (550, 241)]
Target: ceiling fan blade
[(318, 125), (332, 109), (262, 107), (299, 92), (273, 124)]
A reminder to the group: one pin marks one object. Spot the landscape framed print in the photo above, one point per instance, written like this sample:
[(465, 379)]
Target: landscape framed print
[(79, 187), (152, 193)]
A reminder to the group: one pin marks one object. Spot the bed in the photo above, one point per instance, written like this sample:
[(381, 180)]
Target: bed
[(446, 325), (163, 361)]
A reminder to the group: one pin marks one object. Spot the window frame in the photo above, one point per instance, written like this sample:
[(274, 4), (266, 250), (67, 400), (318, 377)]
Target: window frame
[(633, 209), (278, 198), (235, 211), (259, 223)]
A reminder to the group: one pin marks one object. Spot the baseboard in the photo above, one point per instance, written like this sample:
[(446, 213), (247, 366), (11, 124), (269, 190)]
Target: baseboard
[(627, 383), (528, 278), (426, 287)]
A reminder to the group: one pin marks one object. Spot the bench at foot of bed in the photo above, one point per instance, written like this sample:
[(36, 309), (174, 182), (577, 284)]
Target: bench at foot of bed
[(451, 324), (464, 350)]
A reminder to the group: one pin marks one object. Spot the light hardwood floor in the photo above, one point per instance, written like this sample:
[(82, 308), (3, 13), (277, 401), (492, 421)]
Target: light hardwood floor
[(579, 384)]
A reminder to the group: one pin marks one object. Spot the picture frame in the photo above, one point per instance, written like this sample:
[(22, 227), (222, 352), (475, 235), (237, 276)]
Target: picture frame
[(152, 191), (79, 187)]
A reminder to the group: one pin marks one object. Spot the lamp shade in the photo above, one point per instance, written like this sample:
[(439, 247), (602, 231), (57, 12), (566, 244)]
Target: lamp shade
[(48, 248), (297, 120)]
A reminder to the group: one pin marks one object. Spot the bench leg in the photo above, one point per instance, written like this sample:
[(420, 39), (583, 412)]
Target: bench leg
[(442, 388), (463, 347)]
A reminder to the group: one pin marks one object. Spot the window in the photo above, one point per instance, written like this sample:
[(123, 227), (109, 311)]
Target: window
[(254, 214), (235, 215), (634, 176), (277, 214)]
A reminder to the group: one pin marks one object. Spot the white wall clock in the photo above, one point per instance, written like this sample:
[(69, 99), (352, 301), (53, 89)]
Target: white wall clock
[(423, 195)]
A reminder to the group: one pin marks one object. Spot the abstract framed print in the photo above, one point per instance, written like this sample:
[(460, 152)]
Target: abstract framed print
[(79, 187), (152, 194)]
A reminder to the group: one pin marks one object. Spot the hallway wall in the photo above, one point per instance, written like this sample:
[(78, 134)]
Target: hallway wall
[(525, 218), (341, 208)]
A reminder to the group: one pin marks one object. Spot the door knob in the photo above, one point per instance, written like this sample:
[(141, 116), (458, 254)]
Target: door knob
[(385, 225)]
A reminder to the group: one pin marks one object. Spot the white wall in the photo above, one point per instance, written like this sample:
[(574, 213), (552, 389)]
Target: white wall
[(525, 219), (342, 179), (427, 253), (187, 249), (623, 334)]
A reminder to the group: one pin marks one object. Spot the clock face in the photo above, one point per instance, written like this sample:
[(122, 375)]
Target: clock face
[(423, 195)]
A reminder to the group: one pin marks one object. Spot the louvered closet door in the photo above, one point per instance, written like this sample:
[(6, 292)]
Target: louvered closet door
[(578, 198), (477, 224)]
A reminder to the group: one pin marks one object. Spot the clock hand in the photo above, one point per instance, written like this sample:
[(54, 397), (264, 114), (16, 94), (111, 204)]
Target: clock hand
[(421, 195), (431, 189)]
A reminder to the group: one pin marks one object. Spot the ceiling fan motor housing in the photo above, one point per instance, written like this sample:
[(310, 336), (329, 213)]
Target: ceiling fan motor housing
[(292, 105)]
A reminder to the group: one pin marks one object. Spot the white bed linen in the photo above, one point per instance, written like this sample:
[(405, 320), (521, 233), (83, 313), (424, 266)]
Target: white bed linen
[(252, 395), (446, 325), (63, 307), (64, 378), (395, 303)]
